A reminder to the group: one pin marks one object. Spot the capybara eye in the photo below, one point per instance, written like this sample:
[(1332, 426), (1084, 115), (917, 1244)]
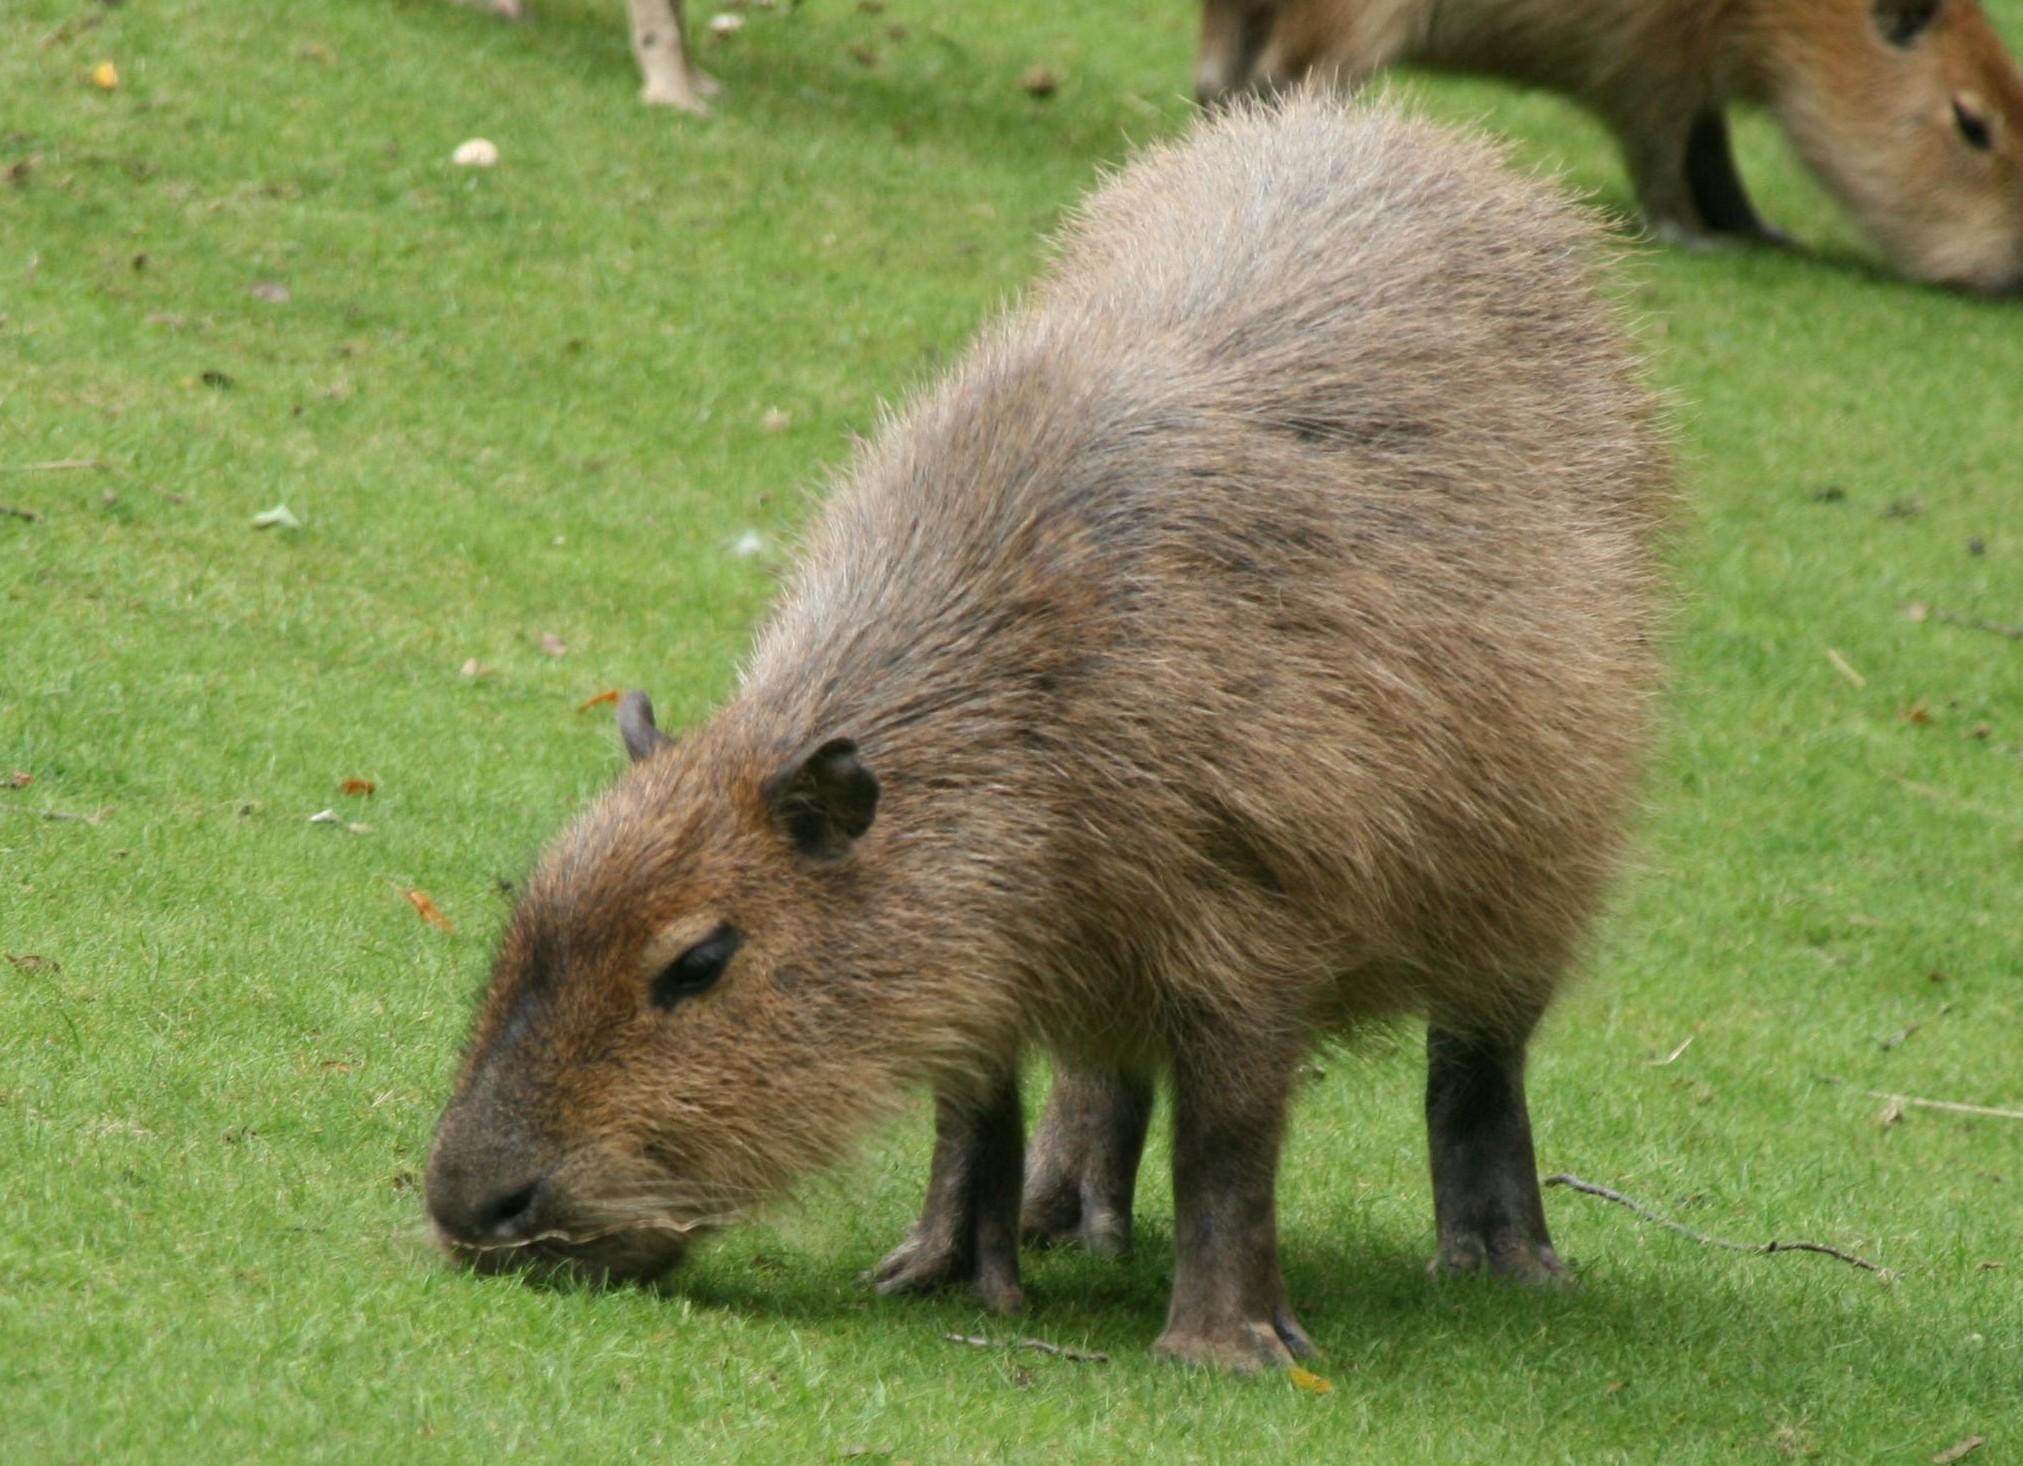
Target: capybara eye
[(697, 969), (1973, 126)]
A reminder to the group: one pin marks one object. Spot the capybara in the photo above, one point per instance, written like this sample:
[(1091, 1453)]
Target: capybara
[(671, 78), (1909, 111), (1249, 639)]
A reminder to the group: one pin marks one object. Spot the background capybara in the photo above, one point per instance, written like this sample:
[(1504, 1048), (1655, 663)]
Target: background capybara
[(1908, 110), (1251, 637)]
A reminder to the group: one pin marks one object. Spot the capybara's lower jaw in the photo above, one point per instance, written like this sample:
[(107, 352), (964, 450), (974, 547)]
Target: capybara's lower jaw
[(638, 1256)]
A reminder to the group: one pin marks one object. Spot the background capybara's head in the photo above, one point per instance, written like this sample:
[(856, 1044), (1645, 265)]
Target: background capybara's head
[(658, 1051), (1919, 127)]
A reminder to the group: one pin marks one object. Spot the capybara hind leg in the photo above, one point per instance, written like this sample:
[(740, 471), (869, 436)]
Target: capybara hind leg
[(1485, 1179), (967, 1235), (1716, 186), (1229, 1308), (1083, 1168)]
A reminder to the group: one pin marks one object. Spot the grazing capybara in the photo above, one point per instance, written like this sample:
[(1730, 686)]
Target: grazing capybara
[(1249, 639), (670, 78), (1908, 110)]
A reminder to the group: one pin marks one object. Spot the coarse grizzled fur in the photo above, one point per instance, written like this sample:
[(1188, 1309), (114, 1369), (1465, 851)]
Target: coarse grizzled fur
[(1250, 638)]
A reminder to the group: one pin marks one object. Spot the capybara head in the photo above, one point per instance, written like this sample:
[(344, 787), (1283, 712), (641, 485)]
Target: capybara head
[(673, 1029), (1918, 125)]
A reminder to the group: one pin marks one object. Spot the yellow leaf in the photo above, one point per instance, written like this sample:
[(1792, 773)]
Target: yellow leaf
[(1313, 1384), (105, 76)]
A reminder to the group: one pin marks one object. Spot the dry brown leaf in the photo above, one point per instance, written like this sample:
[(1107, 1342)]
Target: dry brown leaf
[(473, 669), (358, 788), (1039, 81), (1615, 1387), (1959, 1450), (776, 421), (1916, 713), (31, 962), (427, 911), (1306, 1379), (20, 779), (598, 700), (553, 645)]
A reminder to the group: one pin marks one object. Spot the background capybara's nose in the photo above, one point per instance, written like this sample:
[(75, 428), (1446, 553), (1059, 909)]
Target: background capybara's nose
[(473, 1211)]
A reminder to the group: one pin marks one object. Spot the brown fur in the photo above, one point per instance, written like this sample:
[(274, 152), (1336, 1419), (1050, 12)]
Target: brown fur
[(1883, 99), (1250, 638)]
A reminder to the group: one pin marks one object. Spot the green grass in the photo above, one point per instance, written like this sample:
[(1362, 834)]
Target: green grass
[(530, 401)]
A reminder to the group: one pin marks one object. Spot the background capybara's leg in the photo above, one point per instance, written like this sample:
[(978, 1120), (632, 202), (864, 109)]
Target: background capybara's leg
[(968, 1228), (1083, 1168), (1233, 32), (1716, 186), (1485, 1178), (672, 80), (1229, 1306)]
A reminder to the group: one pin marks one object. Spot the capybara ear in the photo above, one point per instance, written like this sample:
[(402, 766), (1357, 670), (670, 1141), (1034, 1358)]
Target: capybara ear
[(1901, 21), (823, 800), (636, 726)]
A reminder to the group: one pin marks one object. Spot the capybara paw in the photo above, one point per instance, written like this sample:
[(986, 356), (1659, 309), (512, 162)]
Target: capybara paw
[(928, 1265), (1517, 1260), (679, 95), (1242, 1346), (1058, 1218)]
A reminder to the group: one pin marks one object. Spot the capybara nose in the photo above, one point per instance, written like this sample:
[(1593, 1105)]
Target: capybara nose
[(476, 1214)]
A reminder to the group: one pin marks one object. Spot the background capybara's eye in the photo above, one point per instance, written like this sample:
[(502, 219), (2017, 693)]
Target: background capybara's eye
[(697, 970), (1973, 126)]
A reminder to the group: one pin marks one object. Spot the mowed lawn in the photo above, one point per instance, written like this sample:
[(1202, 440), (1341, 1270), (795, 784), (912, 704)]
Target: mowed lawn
[(547, 430)]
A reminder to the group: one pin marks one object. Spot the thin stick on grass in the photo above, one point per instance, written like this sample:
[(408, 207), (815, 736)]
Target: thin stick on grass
[(981, 1341), (53, 465), (1574, 1183), (2014, 633), (1953, 1107), (1842, 666)]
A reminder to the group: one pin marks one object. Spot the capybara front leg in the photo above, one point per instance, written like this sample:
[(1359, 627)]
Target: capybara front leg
[(1716, 185), (1083, 1169), (1229, 1307), (967, 1234), (1485, 1179), (670, 78)]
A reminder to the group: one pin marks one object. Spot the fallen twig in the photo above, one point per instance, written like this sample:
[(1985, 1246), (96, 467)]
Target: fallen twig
[(1954, 1107), (1575, 1183), (2014, 633), (980, 1341), (12, 513), (53, 465), (1841, 665), (55, 814), (1671, 1058)]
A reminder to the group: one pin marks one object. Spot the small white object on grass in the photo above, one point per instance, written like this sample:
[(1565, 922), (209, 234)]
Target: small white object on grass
[(279, 517), (750, 543), (477, 153), (726, 24)]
